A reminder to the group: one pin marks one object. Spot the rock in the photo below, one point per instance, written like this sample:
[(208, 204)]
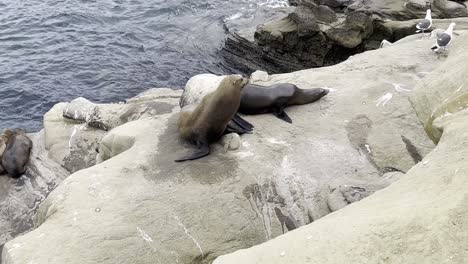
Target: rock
[(198, 87), (438, 97), (310, 35), (393, 176), (70, 144), (105, 117), (19, 197), (139, 205), (396, 30), (151, 103), (419, 218), (357, 27), (115, 142), (78, 109), (73, 142), (231, 141), (259, 76), (241, 50), (385, 43)]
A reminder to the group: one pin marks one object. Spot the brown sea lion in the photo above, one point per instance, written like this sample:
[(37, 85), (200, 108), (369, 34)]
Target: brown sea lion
[(204, 123), (200, 86), (258, 99), (16, 155)]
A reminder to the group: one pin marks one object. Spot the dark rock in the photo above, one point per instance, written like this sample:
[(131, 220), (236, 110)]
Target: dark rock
[(308, 36)]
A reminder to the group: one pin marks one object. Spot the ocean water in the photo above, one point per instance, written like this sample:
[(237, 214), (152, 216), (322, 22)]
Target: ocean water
[(106, 50)]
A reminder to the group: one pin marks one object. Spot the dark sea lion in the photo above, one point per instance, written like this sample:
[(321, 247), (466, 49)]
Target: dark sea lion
[(16, 155), (258, 99), (205, 122)]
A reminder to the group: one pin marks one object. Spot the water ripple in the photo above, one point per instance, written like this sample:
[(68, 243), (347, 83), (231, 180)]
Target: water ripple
[(106, 50)]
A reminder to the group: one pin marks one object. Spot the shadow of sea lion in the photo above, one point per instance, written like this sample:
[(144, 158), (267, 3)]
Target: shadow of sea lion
[(216, 167)]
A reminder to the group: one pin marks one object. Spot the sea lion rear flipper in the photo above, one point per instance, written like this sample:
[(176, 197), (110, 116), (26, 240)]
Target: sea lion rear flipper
[(281, 114), (201, 152)]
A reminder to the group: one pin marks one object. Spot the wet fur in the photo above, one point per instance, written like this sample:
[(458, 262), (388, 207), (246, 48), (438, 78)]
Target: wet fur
[(206, 122), (16, 154)]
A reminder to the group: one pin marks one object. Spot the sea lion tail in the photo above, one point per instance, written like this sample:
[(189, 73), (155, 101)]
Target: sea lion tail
[(203, 151)]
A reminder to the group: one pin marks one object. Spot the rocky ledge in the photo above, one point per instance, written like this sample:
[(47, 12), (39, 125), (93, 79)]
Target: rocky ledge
[(422, 218), (137, 206), (319, 33)]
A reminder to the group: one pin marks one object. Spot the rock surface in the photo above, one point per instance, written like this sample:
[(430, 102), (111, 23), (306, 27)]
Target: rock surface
[(138, 206), (73, 130), (410, 9), (419, 219), (19, 198)]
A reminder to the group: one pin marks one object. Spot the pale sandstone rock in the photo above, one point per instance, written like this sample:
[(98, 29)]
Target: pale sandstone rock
[(420, 218), (139, 206)]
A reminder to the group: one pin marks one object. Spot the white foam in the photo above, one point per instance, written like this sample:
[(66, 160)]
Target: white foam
[(384, 99), (144, 235), (274, 3), (233, 17)]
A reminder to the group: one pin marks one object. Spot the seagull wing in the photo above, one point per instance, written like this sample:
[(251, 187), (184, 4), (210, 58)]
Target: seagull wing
[(443, 39), (424, 24)]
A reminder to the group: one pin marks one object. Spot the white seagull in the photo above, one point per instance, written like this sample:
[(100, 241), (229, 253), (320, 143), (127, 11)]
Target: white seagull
[(444, 39), (426, 23)]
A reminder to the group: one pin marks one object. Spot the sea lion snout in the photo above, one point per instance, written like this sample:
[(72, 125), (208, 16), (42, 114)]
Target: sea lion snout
[(245, 81), (315, 93), (323, 91)]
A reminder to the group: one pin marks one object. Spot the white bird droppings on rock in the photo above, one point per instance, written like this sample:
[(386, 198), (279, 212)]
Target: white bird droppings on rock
[(384, 99), (144, 235)]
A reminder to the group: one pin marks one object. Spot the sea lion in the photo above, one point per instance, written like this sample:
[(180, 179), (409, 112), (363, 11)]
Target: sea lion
[(258, 99), (200, 86), (16, 155), (204, 123)]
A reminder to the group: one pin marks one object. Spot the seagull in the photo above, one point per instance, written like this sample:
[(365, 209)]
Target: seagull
[(444, 39), (426, 23)]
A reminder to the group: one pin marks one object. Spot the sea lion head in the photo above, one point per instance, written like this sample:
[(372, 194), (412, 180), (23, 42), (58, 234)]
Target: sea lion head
[(4, 138), (6, 135), (236, 80)]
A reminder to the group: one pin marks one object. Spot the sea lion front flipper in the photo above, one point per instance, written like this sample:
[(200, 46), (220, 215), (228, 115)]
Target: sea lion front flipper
[(232, 127), (281, 114), (242, 122), (238, 125), (202, 151)]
